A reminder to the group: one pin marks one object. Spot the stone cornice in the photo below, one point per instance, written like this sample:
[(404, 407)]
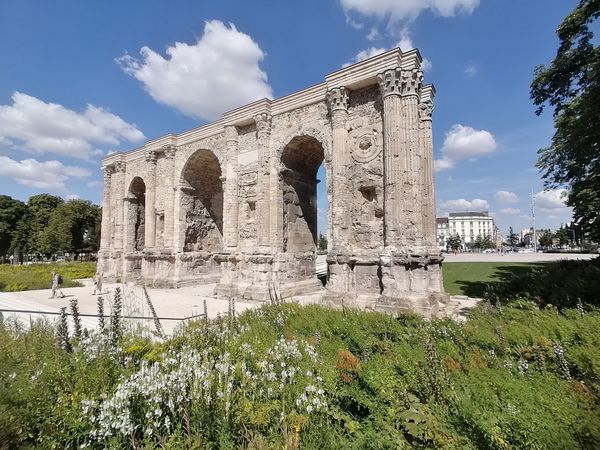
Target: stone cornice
[(244, 115), (355, 76), (364, 73)]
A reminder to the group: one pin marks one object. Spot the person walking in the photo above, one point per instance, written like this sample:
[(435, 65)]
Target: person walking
[(57, 281), (98, 283)]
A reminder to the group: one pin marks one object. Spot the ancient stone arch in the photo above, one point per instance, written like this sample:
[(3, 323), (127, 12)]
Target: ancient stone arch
[(202, 202), (136, 214), (234, 201)]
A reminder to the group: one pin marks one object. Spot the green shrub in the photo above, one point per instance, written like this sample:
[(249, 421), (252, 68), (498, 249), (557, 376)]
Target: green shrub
[(311, 377)]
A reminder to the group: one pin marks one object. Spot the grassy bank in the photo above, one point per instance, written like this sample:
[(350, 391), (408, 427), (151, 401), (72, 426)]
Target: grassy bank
[(38, 276), (470, 278)]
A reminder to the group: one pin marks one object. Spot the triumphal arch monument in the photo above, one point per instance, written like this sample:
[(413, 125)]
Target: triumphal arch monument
[(234, 201)]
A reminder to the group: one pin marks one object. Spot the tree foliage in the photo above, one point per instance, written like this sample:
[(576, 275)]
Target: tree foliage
[(454, 242), (47, 224), (512, 238), (11, 212), (546, 239), (571, 85), (71, 227)]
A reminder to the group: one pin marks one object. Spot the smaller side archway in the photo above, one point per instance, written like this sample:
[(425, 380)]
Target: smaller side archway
[(300, 159), (202, 203), (136, 214)]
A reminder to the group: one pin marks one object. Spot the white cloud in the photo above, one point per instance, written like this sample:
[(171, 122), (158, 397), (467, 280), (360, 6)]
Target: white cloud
[(443, 164), (462, 204), (471, 70), (426, 65), (397, 10), (405, 43), (95, 183), (217, 73), (551, 200), (463, 142), (72, 197), (41, 127), (365, 54), (551, 204), (506, 197), (46, 175), (373, 34), (509, 211)]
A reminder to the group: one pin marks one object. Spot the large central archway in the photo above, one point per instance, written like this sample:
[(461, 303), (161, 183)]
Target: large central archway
[(202, 203)]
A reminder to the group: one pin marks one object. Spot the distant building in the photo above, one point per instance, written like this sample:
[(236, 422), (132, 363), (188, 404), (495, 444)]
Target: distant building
[(527, 236), (443, 232), (468, 225)]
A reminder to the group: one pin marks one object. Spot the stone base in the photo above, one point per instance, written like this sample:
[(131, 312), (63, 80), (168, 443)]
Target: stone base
[(260, 276), (392, 282)]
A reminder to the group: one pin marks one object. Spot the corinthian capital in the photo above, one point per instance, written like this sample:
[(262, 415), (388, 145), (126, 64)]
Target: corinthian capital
[(119, 166), (169, 151), (390, 82), (263, 125), (338, 99), (151, 156), (231, 134), (108, 171), (411, 82), (425, 109)]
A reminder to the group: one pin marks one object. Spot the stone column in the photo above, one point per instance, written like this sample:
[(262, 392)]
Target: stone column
[(275, 200), (395, 164), (169, 240), (105, 238), (230, 191), (338, 104), (150, 181), (117, 215), (401, 155), (426, 138), (263, 137), (413, 188)]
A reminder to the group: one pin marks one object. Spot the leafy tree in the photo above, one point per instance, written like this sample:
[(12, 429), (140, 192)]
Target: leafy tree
[(487, 242), (454, 242), (322, 244), (571, 85), (11, 211), (512, 238), (41, 207), (563, 236), (72, 227), (546, 239)]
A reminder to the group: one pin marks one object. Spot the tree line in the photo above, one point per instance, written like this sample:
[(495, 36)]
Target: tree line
[(47, 224)]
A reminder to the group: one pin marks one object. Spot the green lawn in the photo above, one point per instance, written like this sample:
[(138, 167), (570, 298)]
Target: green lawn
[(38, 276), (468, 278)]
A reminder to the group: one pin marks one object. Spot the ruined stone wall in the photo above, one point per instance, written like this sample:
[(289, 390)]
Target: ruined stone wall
[(365, 168)]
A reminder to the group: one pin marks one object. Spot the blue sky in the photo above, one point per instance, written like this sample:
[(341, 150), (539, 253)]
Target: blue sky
[(80, 78)]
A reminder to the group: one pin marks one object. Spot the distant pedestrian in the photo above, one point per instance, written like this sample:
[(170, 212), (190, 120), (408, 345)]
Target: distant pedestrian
[(98, 283), (57, 281)]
